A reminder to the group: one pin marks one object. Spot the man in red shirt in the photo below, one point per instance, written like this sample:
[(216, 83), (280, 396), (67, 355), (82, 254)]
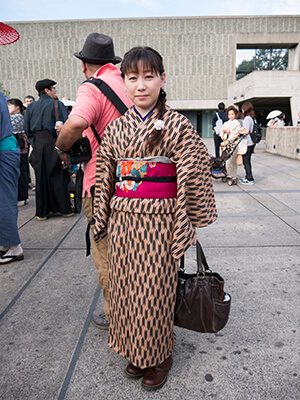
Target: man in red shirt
[(92, 107)]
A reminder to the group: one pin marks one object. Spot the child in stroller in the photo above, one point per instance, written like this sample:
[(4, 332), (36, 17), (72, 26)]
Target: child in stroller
[(225, 167)]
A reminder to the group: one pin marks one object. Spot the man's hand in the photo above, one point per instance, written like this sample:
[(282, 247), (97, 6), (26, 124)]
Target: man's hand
[(70, 132), (64, 158)]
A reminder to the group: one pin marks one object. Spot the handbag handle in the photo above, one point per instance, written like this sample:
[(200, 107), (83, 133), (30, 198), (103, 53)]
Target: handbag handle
[(201, 260)]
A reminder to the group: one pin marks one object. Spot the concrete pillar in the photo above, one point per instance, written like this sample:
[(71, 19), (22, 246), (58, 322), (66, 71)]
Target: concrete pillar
[(295, 108), (294, 58)]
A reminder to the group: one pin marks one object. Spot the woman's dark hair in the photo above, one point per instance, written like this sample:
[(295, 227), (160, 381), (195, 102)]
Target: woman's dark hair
[(247, 109), (153, 61), (17, 103), (232, 108)]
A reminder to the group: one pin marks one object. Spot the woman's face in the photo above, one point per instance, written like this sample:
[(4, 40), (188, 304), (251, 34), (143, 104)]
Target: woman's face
[(13, 109), (143, 88), (231, 115)]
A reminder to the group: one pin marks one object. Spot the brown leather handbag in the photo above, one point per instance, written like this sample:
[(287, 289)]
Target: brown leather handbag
[(201, 304)]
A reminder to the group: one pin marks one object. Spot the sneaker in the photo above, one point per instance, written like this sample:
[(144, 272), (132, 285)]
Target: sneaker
[(41, 218), (21, 203), (33, 188), (26, 201), (99, 319), (245, 181), (68, 215)]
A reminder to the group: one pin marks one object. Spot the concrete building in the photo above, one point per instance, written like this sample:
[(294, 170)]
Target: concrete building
[(200, 57)]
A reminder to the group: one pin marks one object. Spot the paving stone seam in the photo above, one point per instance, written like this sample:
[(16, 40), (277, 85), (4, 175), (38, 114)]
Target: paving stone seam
[(256, 189), (25, 223), (253, 216), (25, 286), (273, 212), (50, 248), (281, 202), (280, 165), (259, 246), (78, 348)]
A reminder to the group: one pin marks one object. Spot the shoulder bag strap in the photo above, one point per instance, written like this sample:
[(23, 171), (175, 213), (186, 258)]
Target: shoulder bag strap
[(56, 110), (109, 93), (112, 97), (96, 134)]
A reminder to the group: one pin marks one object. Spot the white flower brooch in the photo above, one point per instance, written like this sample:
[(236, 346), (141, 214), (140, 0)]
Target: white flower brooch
[(159, 125)]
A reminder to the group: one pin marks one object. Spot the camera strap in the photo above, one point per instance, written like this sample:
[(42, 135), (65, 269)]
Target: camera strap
[(112, 97)]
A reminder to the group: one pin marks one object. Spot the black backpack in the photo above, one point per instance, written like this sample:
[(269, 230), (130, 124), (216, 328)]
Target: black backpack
[(256, 133)]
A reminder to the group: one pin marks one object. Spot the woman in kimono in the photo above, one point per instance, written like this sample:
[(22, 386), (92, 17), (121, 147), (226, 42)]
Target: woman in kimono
[(153, 188)]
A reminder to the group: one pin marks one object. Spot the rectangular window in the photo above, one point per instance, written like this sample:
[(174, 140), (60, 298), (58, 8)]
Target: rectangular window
[(260, 59)]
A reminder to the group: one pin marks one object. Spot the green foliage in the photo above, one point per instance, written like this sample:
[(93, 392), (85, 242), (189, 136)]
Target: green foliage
[(5, 92), (264, 60)]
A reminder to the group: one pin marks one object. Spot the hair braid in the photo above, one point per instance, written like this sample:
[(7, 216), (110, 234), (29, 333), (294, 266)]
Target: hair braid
[(156, 135)]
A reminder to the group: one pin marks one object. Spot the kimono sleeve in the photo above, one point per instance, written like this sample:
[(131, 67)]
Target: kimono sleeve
[(195, 206), (105, 185)]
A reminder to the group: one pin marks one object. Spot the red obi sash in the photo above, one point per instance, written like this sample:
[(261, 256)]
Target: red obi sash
[(142, 179)]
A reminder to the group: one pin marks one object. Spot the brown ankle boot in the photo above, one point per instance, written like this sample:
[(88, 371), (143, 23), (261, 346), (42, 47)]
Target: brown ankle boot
[(156, 377), (134, 372)]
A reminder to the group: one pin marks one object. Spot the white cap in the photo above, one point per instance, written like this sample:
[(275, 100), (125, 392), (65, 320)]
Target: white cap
[(68, 103)]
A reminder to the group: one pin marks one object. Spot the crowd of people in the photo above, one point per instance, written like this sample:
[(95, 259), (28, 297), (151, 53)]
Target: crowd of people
[(228, 129), (25, 126), (148, 177)]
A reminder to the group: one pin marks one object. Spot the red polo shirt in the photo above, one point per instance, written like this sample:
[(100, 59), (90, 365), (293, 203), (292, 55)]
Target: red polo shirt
[(92, 105)]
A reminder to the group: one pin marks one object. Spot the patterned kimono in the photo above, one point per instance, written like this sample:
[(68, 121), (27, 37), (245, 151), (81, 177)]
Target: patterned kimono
[(146, 237)]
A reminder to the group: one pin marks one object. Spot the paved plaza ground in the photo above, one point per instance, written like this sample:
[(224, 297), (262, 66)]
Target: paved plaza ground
[(50, 350)]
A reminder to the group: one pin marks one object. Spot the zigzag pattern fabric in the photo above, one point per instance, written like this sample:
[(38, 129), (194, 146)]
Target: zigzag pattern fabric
[(142, 287), (147, 236)]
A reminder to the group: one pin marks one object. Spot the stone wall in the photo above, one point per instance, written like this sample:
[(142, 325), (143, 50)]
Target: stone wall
[(199, 52), (284, 141)]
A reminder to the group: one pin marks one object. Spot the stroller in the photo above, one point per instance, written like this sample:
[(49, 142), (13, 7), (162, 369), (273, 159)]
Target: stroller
[(218, 164)]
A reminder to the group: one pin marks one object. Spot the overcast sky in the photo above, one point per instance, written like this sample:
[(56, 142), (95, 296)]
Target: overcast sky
[(38, 10)]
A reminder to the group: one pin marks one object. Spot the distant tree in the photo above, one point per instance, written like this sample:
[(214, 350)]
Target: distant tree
[(5, 92), (264, 59), (279, 59), (245, 67)]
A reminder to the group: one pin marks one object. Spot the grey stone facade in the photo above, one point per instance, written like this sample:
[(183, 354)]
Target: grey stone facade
[(199, 52)]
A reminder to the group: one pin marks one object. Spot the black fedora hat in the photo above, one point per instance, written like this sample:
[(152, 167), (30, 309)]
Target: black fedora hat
[(98, 49)]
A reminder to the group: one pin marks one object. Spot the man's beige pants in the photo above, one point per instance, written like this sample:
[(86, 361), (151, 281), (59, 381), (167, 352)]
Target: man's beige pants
[(99, 251)]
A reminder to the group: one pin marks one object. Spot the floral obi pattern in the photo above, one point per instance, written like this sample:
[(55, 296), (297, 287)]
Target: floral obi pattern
[(149, 178)]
